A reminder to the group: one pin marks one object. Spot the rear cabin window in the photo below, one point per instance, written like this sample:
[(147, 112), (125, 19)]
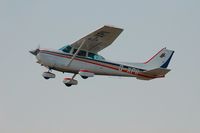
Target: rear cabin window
[(95, 56), (91, 55)]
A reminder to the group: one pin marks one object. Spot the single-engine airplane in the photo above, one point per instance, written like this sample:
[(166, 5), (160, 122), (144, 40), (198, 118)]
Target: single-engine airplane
[(81, 57)]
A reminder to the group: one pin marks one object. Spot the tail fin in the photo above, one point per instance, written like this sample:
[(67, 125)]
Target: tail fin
[(161, 59)]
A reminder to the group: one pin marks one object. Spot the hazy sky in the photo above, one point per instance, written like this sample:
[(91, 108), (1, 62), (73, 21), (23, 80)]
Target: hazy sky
[(30, 104)]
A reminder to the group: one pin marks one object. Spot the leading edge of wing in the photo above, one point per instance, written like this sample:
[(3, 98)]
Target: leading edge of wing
[(99, 39)]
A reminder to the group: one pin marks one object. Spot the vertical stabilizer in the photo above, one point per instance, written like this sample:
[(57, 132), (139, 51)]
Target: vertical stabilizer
[(161, 59)]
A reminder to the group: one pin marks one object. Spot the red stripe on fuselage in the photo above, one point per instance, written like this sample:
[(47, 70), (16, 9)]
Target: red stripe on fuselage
[(97, 63), (83, 70)]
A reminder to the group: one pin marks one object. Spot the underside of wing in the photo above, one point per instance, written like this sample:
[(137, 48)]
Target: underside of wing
[(99, 39)]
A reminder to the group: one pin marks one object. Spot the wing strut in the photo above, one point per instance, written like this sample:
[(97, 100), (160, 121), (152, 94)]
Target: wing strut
[(74, 55)]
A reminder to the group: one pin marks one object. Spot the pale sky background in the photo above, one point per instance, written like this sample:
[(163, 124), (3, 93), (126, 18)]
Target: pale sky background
[(30, 104)]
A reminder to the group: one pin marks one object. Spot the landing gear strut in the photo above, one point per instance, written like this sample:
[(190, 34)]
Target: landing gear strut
[(70, 81)]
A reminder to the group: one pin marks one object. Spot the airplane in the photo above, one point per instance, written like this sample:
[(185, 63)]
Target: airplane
[(82, 58)]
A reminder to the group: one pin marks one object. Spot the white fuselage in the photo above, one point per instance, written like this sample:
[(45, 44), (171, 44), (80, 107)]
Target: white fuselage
[(58, 60)]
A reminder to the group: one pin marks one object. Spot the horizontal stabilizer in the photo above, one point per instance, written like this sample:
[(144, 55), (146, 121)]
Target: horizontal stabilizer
[(154, 73), (157, 72)]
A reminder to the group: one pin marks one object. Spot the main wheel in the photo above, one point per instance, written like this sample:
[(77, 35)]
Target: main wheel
[(68, 85), (46, 78), (84, 77)]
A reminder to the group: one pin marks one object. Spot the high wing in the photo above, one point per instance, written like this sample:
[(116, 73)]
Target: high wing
[(99, 39)]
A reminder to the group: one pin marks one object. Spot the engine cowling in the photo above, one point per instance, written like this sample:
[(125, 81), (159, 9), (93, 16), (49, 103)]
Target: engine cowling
[(86, 73), (48, 75)]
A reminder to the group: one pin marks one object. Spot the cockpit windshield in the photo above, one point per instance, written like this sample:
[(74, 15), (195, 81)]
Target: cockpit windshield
[(66, 49)]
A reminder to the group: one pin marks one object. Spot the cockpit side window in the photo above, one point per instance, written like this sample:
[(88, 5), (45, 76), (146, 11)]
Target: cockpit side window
[(80, 53)]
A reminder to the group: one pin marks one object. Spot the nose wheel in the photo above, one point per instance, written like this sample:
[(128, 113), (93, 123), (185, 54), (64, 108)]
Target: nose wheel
[(48, 75)]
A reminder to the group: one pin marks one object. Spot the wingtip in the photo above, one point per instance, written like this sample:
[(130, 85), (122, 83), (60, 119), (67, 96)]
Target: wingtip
[(112, 26)]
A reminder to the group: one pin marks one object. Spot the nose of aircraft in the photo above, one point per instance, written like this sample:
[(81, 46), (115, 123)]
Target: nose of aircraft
[(35, 52)]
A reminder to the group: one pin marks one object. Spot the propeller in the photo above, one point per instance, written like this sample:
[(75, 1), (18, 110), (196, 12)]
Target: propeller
[(36, 51)]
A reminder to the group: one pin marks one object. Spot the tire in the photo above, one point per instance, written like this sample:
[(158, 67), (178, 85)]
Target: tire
[(84, 77), (46, 78), (68, 85)]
